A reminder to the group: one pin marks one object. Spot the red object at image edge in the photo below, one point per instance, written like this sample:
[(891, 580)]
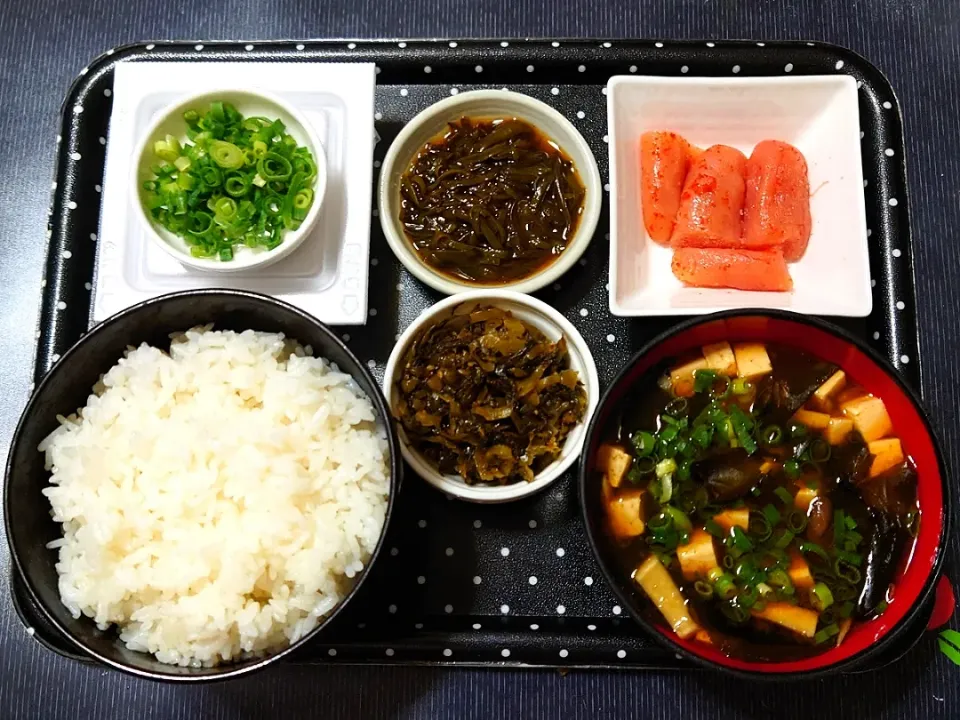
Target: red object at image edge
[(908, 424), (944, 604)]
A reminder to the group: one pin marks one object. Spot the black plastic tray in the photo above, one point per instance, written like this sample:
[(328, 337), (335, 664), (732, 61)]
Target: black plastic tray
[(460, 583)]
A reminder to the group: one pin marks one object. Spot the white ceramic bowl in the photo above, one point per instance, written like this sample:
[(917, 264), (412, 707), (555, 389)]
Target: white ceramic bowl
[(552, 324), (819, 114), (170, 122), (487, 104)]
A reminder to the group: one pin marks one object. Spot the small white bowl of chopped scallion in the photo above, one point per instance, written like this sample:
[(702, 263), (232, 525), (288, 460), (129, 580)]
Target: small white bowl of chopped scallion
[(229, 180)]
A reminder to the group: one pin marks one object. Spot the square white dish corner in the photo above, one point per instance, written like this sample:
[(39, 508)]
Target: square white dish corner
[(817, 114), (327, 275)]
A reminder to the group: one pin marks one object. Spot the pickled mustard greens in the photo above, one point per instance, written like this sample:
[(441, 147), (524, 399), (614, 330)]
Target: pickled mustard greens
[(485, 395), (770, 490), (491, 201), (237, 182)]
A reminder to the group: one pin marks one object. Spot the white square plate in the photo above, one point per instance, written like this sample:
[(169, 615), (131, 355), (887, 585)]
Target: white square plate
[(817, 114), (327, 276)]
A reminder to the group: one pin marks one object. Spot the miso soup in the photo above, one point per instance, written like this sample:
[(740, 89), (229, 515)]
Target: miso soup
[(760, 499)]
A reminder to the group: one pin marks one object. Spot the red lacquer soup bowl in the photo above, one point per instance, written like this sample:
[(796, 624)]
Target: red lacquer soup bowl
[(914, 581)]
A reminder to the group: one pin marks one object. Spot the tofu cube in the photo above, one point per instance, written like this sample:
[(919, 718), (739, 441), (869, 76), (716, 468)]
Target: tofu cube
[(702, 636), (626, 513), (886, 454), (869, 416), (792, 617), (752, 360), (803, 498), (698, 556), (656, 582), (735, 517), (813, 420), (720, 357), (823, 395), (614, 461), (682, 376), (799, 572), (837, 430)]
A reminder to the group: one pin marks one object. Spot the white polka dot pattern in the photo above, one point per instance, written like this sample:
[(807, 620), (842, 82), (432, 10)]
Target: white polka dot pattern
[(586, 307)]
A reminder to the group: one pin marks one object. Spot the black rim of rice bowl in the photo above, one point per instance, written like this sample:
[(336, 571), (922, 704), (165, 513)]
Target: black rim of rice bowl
[(27, 512)]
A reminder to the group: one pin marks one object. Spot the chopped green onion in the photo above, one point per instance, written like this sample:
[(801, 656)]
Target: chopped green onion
[(703, 589), (660, 521), (746, 571), (226, 154), (735, 613), (303, 199), (820, 597), (702, 436), (771, 514), (812, 547), (846, 610), (785, 497), (772, 435), (850, 557), (760, 527), (679, 518), (748, 596), (703, 380), (819, 451), (643, 443), (721, 388), (743, 425), (796, 522), (741, 386), (236, 185), (798, 431), (728, 561), (740, 540), (641, 467), (828, 632), (784, 539), (712, 527), (847, 572), (792, 468), (274, 167), (881, 607), (724, 587), (676, 407), (211, 189), (666, 468), (779, 578)]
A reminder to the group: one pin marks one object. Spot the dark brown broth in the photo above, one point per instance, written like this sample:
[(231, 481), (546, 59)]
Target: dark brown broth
[(490, 201)]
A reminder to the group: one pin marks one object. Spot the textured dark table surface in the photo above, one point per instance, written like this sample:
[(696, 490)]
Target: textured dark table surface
[(44, 43)]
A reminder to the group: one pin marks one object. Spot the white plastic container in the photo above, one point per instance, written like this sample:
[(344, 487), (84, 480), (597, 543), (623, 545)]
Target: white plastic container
[(249, 104), (327, 275), (817, 114)]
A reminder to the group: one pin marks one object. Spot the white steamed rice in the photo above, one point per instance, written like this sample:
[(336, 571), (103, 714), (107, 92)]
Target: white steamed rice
[(216, 500)]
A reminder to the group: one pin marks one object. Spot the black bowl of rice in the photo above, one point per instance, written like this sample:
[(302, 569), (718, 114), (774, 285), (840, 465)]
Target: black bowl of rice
[(200, 485)]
